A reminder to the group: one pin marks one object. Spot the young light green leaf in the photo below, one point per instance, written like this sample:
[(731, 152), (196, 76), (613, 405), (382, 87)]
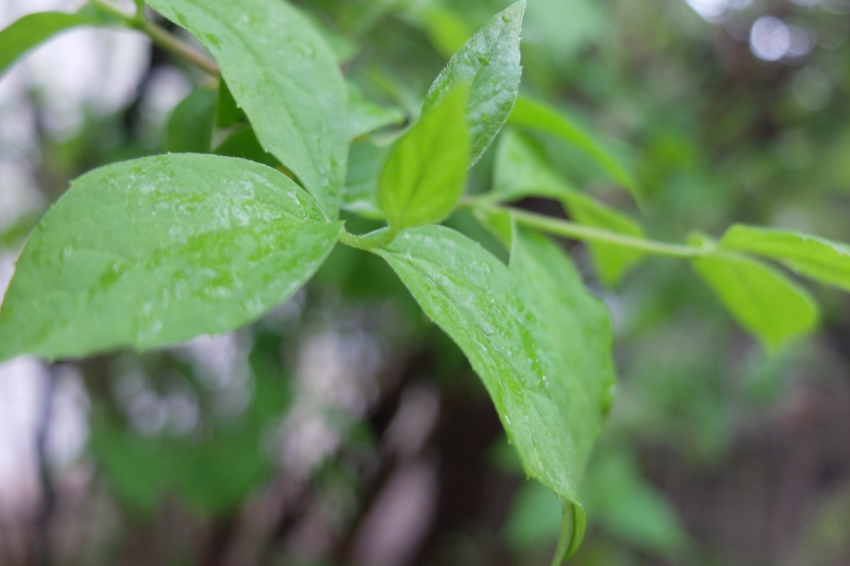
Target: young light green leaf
[(34, 29), (539, 116), (489, 63), (573, 527), (424, 176), (521, 170), (762, 300), (540, 343), (191, 125), (159, 250), (365, 117), (821, 259), (286, 79)]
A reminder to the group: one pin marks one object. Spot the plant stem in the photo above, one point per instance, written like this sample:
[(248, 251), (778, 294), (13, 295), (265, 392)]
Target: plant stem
[(575, 231), (368, 241), (170, 43), (159, 35)]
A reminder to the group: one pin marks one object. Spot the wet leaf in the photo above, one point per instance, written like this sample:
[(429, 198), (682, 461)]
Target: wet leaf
[(489, 64), (539, 341), (285, 78), (159, 250)]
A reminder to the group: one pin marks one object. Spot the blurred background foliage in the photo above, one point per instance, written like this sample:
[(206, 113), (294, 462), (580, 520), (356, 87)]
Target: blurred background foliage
[(344, 428)]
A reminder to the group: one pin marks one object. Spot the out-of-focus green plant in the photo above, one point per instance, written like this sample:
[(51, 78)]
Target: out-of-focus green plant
[(154, 251)]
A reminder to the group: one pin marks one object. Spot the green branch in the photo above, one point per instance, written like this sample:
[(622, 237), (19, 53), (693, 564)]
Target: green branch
[(369, 241), (568, 229), (158, 34)]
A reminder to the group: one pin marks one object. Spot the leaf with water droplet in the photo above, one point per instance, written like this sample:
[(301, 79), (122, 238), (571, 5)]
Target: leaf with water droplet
[(285, 78), (547, 325), (490, 63), (158, 250)]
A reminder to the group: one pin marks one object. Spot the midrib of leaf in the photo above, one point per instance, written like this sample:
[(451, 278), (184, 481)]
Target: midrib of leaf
[(508, 361)]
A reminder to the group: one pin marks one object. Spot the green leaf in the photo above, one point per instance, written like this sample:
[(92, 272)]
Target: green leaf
[(228, 112), (612, 261), (33, 29), (286, 79), (489, 63), (191, 124), (540, 116), (424, 176), (243, 143), (521, 170), (762, 300), (365, 117), (821, 259), (365, 162), (573, 527), (159, 250), (540, 343)]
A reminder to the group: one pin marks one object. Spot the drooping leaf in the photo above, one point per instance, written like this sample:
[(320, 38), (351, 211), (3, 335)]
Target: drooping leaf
[(489, 64), (286, 79), (762, 300), (821, 259), (159, 250), (365, 116), (191, 125), (540, 116), (424, 175), (33, 29), (540, 343), (521, 170), (243, 143)]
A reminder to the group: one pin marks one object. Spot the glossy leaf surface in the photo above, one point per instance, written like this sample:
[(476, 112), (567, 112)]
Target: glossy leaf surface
[(286, 79), (821, 259), (159, 250), (425, 173), (521, 170), (539, 116), (761, 299), (490, 64), (540, 343), (191, 125), (33, 29)]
